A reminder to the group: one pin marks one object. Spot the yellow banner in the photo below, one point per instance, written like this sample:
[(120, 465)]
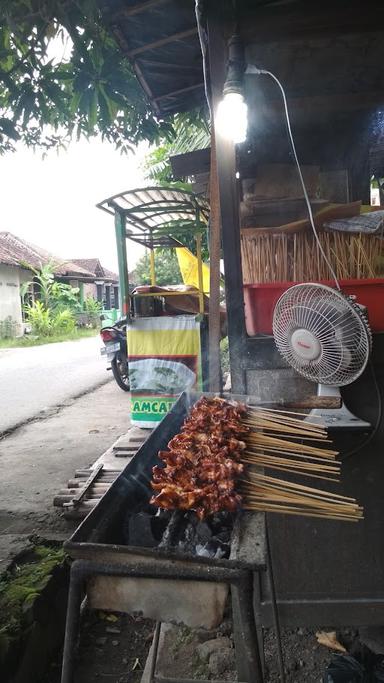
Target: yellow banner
[(188, 265)]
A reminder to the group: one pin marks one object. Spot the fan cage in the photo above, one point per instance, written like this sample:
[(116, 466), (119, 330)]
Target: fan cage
[(336, 322)]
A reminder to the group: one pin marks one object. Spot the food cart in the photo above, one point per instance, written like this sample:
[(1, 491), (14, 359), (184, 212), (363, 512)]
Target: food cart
[(166, 326)]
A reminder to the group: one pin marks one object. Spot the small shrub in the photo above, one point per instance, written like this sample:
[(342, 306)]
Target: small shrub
[(63, 322), (39, 318), (45, 322), (91, 305), (8, 328)]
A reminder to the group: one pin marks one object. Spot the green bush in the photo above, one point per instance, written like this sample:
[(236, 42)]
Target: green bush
[(39, 318), (8, 328), (46, 323), (64, 322), (91, 305), (56, 296)]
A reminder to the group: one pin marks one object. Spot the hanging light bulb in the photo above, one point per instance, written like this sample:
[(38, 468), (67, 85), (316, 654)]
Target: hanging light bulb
[(232, 112), (232, 117)]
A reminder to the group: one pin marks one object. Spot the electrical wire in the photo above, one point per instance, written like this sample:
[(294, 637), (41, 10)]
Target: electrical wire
[(203, 48), (251, 69), (372, 435)]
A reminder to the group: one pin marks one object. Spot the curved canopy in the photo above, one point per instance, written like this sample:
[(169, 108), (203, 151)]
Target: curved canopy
[(148, 210)]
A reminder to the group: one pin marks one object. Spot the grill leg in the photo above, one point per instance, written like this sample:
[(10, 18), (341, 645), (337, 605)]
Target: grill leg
[(72, 625), (257, 616), (249, 668)]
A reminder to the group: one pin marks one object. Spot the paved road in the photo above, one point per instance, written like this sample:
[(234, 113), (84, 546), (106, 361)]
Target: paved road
[(39, 377)]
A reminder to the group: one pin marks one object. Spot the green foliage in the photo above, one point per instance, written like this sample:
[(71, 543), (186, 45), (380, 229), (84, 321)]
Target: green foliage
[(191, 132), (27, 340), (64, 296), (8, 328), (86, 88), (185, 232), (166, 267), (63, 322), (91, 305), (224, 356), (56, 296), (46, 322), (19, 589), (40, 318)]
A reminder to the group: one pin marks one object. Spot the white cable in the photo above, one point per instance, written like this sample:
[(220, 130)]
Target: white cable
[(203, 48), (251, 69)]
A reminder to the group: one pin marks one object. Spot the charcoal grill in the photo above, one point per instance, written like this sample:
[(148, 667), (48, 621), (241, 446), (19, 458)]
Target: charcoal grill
[(163, 583)]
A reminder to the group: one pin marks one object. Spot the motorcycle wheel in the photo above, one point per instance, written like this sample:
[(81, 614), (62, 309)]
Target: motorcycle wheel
[(119, 367)]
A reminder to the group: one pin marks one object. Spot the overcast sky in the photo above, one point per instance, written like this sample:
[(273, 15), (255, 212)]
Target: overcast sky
[(51, 201)]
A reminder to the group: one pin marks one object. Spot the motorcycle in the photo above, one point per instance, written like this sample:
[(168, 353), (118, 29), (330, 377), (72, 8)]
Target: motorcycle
[(115, 348)]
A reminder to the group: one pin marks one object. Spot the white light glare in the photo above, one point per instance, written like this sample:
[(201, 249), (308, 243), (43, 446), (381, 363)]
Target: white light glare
[(232, 117)]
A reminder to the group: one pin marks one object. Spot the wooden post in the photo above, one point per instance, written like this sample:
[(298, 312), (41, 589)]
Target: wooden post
[(152, 266), (81, 294), (214, 274), (121, 244), (200, 273), (226, 173)]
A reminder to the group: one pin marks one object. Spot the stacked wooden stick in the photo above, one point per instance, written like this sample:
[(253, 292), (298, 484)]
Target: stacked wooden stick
[(269, 256), (282, 441)]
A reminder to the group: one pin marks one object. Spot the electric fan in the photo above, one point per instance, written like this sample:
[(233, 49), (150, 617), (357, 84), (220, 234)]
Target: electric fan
[(325, 336)]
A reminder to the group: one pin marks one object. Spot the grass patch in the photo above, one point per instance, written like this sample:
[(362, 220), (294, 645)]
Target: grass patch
[(28, 340)]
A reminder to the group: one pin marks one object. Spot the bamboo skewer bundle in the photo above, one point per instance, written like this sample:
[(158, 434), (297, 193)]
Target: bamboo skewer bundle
[(296, 257), (280, 441)]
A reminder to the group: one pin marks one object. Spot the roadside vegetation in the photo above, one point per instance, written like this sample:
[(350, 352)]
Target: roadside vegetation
[(28, 340), (52, 313)]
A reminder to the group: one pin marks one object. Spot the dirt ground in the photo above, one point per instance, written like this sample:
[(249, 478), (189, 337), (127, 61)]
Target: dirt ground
[(113, 648), (38, 459)]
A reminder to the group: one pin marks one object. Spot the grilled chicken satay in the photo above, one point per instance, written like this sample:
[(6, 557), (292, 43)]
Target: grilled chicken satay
[(201, 463)]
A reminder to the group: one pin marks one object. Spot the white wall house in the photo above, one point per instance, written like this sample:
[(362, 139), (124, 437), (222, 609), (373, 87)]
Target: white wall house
[(11, 279), (16, 253)]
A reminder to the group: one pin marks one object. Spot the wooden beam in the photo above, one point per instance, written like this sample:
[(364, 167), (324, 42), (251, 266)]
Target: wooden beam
[(226, 170), (173, 93), (123, 43), (214, 274), (138, 9), (191, 163), (163, 41)]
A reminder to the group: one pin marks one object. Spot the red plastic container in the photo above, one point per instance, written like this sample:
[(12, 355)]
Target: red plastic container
[(260, 300)]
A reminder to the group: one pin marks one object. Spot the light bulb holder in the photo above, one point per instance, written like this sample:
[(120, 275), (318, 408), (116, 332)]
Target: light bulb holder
[(234, 82)]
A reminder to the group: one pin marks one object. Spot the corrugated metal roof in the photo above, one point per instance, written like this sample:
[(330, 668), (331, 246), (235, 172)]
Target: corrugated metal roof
[(149, 209)]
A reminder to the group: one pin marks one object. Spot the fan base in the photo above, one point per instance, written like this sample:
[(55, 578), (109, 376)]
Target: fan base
[(341, 418)]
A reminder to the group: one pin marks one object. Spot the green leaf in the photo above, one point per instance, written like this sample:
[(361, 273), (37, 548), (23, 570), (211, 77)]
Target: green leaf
[(92, 112), (8, 128)]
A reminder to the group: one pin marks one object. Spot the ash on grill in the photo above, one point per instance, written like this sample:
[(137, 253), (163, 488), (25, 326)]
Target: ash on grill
[(180, 532)]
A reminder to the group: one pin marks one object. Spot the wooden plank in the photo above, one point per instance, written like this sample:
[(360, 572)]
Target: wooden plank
[(163, 41), (191, 163), (88, 483)]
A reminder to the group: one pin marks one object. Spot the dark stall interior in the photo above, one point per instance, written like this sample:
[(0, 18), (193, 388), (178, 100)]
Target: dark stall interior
[(330, 67)]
